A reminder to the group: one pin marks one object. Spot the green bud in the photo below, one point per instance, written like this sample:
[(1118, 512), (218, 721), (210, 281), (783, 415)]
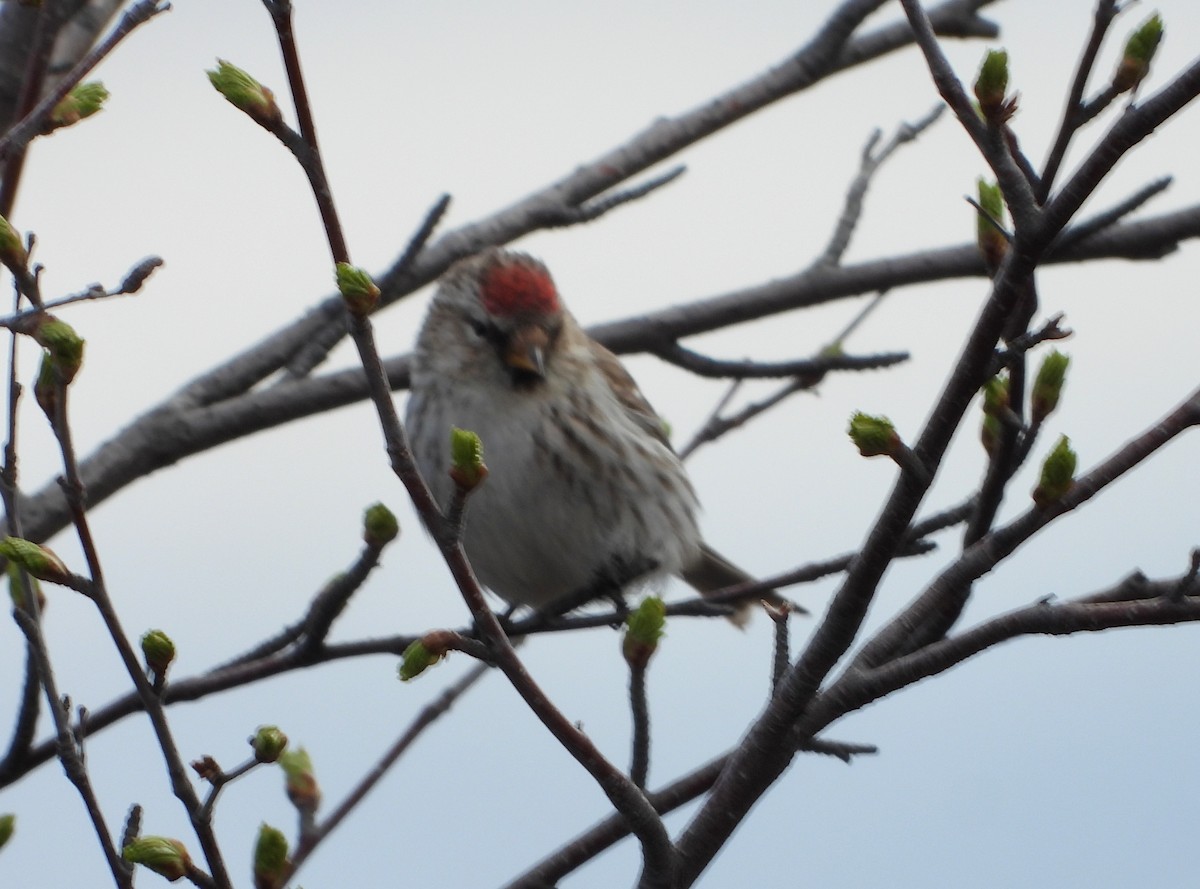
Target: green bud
[(989, 433), (268, 743), (245, 93), (63, 344), (159, 651), (8, 824), (45, 388), (873, 436), (466, 459), (83, 101), (995, 396), (37, 560), (417, 658), (270, 858), (380, 526), (643, 629), (166, 857), (1047, 387), (992, 243), (12, 248), (991, 86), (358, 290), (1139, 53), (1058, 474), (301, 781), (16, 589)]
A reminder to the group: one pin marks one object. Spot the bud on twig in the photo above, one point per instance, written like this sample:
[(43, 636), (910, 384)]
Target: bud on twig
[(993, 245), (1139, 53), (380, 526), (159, 652), (270, 858), (8, 823), (418, 658), (873, 436), (1047, 387), (37, 560), (12, 248), (643, 628), (16, 589), (995, 405), (991, 87), (82, 101), (360, 293), (301, 781), (1058, 474), (268, 743), (45, 387), (466, 459), (245, 93), (166, 857), (62, 343)]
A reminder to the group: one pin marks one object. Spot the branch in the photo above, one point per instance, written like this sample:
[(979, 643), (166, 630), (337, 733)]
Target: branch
[(20, 135), (1072, 120), (429, 714)]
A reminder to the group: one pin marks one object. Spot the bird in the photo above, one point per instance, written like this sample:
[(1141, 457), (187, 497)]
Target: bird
[(584, 492)]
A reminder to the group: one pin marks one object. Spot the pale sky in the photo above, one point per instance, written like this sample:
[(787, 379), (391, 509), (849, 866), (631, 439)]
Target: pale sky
[(1047, 762)]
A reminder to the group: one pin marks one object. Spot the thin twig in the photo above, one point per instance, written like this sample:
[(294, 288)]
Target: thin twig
[(639, 708), (180, 783), (703, 366), (1072, 118), (869, 163), (428, 715), (19, 135)]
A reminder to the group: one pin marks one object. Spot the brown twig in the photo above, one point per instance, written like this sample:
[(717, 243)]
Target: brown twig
[(31, 123), (429, 714), (1073, 114), (151, 702)]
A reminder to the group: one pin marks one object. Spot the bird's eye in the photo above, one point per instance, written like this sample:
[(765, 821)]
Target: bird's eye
[(478, 327)]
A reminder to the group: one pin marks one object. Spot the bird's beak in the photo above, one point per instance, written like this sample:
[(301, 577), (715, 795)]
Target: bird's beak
[(525, 350)]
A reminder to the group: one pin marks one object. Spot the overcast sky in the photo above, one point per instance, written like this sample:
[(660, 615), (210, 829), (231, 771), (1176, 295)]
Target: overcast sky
[(1047, 762)]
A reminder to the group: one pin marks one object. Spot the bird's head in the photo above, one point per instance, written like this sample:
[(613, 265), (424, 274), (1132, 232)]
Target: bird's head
[(509, 310)]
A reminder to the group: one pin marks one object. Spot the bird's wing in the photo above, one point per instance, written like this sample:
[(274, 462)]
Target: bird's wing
[(628, 393)]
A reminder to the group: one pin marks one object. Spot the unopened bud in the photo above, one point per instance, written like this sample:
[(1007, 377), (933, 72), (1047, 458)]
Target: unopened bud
[(166, 857), (466, 459), (1139, 53), (8, 823), (301, 781), (37, 560), (139, 273), (1047, 387), (358, 290), (995, 396), (380, 526), (270, 858), (62, 343), (418, 658), (873, 436), (82, 101), (643, 629), (991, 86), (992, 242), (245, 93), (159, 652), (16, 588), (12, 248), (268, 743), (1058, 474), (45, 387)]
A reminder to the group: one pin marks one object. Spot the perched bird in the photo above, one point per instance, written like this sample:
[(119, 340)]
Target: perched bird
[(583, 489)]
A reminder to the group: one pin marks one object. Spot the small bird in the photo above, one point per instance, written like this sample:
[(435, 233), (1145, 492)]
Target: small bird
[(583, 489)]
